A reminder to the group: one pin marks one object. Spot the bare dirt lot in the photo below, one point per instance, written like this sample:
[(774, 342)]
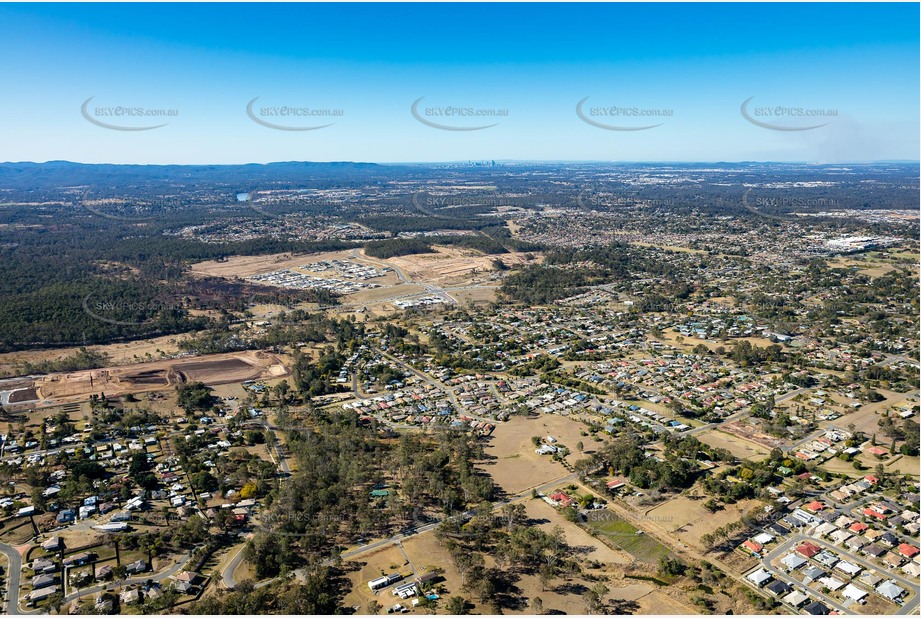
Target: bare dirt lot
[(516, 466), (211, 369), (452, 266), (240, 266), (446, 266), (738, 446), (588, 546), (118, 353), (424, 552), (686, 519), (479, 294), (688, 342)]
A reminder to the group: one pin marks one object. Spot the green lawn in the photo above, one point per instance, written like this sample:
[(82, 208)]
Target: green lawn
[(624, 535)]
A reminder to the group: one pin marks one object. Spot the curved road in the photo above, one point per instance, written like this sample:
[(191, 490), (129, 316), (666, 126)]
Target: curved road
[(14, 578)]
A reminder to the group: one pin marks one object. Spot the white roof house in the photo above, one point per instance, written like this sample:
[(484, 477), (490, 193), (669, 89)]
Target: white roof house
[(764, 538), (759, 577), (795, 598), (890, 590), (792, 561), (825, 528), (848, 567), (853, 592)]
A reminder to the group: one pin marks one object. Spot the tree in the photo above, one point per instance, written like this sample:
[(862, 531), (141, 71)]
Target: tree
[(194, 396), (514, 515), (712, 505), (55, 601), (374, 608), (457, 606), (281, 391), (595, 598), (672, 566), (910, 446), (570, 514), (880, 472), (537, 605), (248, 490), (246, 586), (547, 575)]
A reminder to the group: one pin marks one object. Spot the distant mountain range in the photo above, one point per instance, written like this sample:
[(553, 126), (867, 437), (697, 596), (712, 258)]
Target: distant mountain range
[(62, 173)]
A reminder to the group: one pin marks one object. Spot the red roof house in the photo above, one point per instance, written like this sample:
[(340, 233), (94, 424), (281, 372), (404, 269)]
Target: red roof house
[(872, 513), (909, 551), (561, 498), (814, 507), (807, 549)]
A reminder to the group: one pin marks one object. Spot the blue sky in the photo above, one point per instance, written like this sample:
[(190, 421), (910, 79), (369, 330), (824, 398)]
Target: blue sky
[(854, 68)]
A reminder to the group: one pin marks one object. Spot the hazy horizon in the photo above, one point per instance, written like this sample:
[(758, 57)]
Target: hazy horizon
[(480, 160)]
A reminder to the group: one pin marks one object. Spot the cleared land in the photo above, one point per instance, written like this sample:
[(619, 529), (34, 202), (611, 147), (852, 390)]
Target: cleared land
[(516, 466), (452, 266), (119, 353), (684, 518), (423, 553), (470, 272), (738, 446), (588, 546), (240, 266), (211, 369)]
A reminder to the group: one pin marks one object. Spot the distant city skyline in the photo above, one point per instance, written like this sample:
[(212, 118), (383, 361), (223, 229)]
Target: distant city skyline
[(679, 83)]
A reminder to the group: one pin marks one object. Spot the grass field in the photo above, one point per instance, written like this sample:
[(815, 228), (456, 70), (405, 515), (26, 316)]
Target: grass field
[(623, 535)]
